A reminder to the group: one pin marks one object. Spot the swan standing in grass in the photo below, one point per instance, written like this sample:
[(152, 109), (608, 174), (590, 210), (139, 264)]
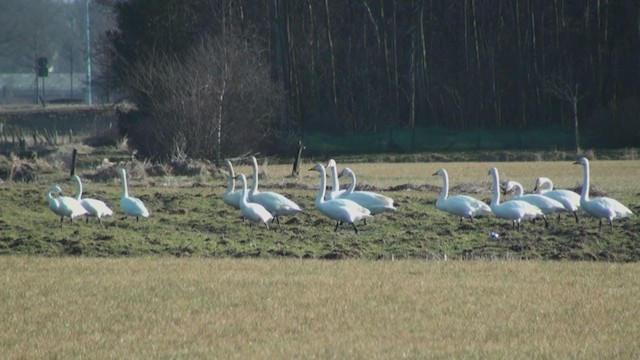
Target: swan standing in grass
[(276, 204), (94, 207), (231, 197), (514, 210), (254, 212), (374, 202), (599, 207), (569, 199), (340, 210), (335, 186), (544, 203), (131, 206), (460, 205), (64, 205)]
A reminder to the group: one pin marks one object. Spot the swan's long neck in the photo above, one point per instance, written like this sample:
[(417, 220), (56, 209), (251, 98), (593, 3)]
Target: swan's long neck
[(352, 186), (79, 187), (125, 191), (244, 190), (335, 186), (445, 186), (495, 199), (254, 185), (585, 182), (52, 201), (323, 184), (231, 182)]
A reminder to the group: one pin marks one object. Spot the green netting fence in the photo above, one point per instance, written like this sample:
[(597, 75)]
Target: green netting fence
[(441, 139)]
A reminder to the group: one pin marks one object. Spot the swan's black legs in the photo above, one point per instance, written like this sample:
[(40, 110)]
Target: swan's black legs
[(546, 223), (600, 226), (575, 214), (354, 227), (337, 224)]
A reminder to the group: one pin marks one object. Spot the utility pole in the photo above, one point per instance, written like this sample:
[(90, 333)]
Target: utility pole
[(89, 99)]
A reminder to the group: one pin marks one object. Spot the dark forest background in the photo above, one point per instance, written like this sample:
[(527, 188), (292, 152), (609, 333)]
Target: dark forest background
[(213, 78)]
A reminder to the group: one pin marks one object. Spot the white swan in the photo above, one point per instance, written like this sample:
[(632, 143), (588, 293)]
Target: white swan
[(544, 203), (231, 197), (376, 203), (335, 186), (569, 199), (64, 205), (514, 210), (460, 205), (254, 212), (131, 206), (94, 207), (276, 204), (600, 207), (340, 210)]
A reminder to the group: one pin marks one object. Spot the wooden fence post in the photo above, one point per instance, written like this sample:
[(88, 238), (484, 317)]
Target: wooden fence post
[(74, 156)]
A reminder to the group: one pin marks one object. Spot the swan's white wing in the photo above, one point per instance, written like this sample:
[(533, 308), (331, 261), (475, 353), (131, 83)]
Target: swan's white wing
[(96, 207), (544, 203), (71, 207), (276, 204), (133, 207), (232, 198), (376, 203)]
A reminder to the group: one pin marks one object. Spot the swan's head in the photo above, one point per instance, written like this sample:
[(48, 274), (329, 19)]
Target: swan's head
[(319, 168), (440, 172), (254, 161), (55, 189), (542, 182), (76, 178), (331, 163), (241, 177), (508, 186), (582, 161), (493, 171), (505, 186), (123, 173), (345, 172)]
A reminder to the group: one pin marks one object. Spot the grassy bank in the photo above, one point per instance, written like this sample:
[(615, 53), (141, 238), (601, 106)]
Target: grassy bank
[(151, 308)]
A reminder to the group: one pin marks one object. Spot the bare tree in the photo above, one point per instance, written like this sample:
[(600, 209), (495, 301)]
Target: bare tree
[(216, 101), (570, 92)]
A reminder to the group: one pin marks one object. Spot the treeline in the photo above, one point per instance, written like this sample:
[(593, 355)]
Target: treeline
[(369, 65)]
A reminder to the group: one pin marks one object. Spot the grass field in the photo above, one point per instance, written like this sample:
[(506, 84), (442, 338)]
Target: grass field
[(259, 308), (189, 218)]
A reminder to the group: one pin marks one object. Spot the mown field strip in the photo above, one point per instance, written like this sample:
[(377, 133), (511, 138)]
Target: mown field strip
[(222, 308)]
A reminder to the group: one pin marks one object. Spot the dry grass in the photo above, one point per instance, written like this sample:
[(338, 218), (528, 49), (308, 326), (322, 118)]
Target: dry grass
[(167, 308), (615, 177)]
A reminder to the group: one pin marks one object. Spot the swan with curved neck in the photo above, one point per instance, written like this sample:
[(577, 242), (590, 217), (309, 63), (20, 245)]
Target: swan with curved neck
[(340, 210), (231, 196), (376, 203), (599, 207), (514, 210), (131, 206), (64, 205), (277, 204), (544, 203), (463, 206), (253, 212), (94, 207), (569, 199)]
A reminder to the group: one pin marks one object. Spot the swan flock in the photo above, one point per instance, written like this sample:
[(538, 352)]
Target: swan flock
[(349, 206)]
